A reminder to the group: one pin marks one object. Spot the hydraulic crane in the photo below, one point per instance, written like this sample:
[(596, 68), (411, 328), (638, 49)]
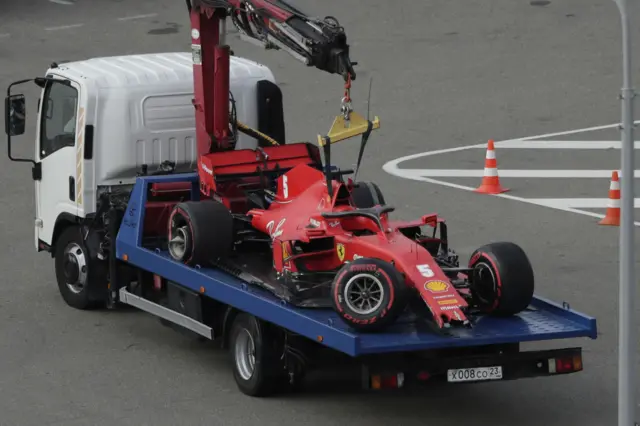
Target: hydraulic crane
[(274, 24)]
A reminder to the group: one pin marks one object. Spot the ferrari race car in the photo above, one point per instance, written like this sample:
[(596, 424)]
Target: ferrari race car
[(298, 229)]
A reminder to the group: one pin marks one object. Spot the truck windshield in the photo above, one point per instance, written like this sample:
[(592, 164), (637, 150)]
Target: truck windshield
[(59, 115)]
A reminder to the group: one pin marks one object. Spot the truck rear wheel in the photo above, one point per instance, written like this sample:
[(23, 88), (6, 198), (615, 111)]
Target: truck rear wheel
[(502, 279), (368, 294), (200, 231), (257, 368), (82, 278)]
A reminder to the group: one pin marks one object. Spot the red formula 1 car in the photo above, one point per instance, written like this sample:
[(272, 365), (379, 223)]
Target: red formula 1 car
[(280, 219)]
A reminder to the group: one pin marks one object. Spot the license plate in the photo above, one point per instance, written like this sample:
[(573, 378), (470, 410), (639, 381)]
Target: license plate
[(474, 374)]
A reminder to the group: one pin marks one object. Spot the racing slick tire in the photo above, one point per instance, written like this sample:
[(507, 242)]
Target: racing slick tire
[(366, 195), (368, 294), (82, 277), (502, 279), (255, 355), (200, 231)]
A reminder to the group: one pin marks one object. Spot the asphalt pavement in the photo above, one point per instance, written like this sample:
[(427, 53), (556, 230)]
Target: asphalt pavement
[(445, 74)]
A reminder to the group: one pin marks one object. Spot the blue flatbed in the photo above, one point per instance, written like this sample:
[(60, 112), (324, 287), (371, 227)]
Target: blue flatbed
[(545, 320)]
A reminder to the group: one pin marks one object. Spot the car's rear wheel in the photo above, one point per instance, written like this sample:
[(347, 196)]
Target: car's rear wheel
[(200, 231), (502, 279), (368, 294)]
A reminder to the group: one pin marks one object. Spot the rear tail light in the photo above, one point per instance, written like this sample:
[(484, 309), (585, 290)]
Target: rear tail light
[(423, 375), (157, 282), (387, 381), (566, 364)]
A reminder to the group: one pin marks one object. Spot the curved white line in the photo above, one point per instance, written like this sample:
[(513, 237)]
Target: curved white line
[(392, 168)]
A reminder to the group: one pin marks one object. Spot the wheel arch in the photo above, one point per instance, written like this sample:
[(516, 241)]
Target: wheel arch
[(229, 316), (63, 221)]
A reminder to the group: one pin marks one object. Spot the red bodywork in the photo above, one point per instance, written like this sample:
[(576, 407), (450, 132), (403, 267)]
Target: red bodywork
[(296, 217)]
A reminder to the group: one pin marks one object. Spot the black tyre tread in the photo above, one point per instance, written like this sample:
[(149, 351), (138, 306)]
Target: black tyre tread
[(93, 295), (516, 275), (267, 378), (399, 288), (366, 195), (212, 229)]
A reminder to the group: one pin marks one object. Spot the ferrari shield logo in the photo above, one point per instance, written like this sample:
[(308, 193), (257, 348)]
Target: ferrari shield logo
[(340, 250)]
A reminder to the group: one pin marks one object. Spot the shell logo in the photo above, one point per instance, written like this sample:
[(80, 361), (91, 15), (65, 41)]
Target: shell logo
[(436, 286)]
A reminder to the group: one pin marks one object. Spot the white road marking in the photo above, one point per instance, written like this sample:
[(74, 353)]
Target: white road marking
[(5, 35), (534, 201), (64, 27), (551, 144), (129, 18), (547, 174), (578, 203), (573, 132), (572, 205), (64, 2)]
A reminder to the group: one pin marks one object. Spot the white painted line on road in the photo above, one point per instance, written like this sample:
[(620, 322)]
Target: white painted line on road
[(552, 174), (64, 27), (551, 144), (5, 35), (533, 201), (64, 2), (129, 18), (393, 164), (578, 203), (572, 132), (567, 205)]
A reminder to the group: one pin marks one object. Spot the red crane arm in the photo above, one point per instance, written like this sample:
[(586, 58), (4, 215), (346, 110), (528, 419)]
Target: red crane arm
[(274, 24)]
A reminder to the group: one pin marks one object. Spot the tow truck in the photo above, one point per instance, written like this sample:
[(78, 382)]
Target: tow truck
[(121, 143)]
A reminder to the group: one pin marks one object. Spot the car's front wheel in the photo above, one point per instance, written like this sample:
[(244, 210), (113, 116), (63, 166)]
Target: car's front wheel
[(502, 279), (368, 294)]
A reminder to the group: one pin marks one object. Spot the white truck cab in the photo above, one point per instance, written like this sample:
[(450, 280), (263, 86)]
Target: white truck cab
[(102, 121)]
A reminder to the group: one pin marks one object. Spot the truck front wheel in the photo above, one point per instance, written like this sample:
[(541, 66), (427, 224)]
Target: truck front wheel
[(82, 279)]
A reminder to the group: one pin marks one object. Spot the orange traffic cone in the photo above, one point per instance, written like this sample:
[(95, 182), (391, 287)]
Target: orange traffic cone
[(490, 181), (612, 216)]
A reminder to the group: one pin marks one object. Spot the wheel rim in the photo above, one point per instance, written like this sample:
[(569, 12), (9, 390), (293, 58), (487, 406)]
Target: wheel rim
[(364, 294), (484, 282), (245, 354), (75, 268), (178, 244)]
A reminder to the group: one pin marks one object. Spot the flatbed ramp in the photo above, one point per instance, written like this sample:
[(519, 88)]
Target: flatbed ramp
[(545, 320)]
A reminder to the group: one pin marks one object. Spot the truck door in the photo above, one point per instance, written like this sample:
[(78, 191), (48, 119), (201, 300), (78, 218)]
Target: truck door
[(58, 127)]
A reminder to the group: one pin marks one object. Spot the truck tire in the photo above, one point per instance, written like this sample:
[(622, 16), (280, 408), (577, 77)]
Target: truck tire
[(502, 279), (82, 278), (368, 294), (257, 368), (200, 231), (366, 195)]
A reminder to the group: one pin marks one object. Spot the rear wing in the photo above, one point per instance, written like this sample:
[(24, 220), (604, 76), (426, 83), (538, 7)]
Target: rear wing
[(228, 165)]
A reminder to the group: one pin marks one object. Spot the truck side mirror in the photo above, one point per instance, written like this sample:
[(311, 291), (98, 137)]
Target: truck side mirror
[(15, 118)]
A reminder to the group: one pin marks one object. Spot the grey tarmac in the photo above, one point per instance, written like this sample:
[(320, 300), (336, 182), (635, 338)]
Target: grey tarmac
[(444, 74)]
